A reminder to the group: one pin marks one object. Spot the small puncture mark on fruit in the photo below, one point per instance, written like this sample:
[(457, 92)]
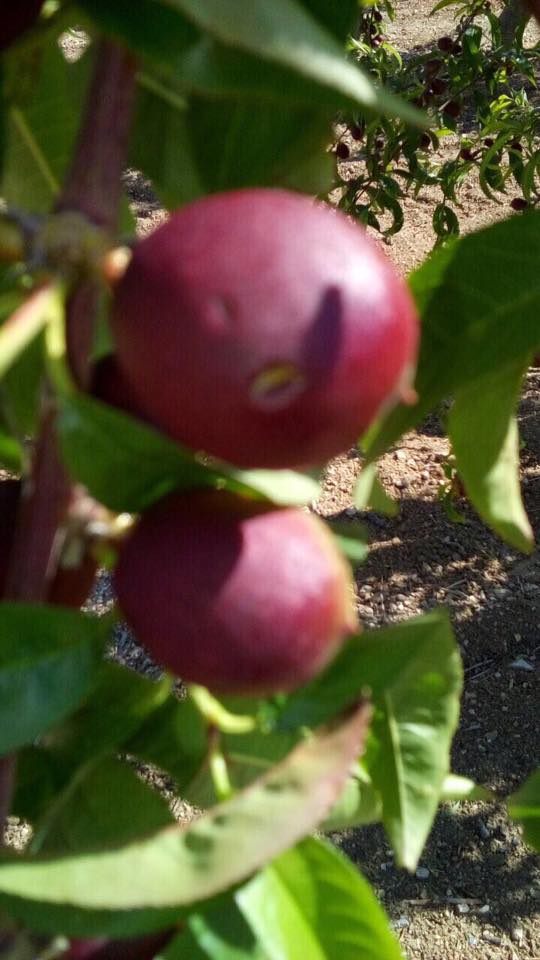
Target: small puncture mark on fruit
[(277, 386), (218, 315)]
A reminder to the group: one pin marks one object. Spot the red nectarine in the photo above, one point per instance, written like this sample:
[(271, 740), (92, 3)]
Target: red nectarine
[(234, 594), (263, 328)]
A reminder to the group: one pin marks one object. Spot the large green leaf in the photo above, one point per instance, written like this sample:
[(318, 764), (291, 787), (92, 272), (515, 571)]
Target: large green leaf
[(48, 663), (41, 127), (311, 902), (479, 301), (408, 749), (485, 441), (284, 33), (107, 805), (219, 934), (181, 865), (128, 465), (370, 663), (412, 671), (524, 806)]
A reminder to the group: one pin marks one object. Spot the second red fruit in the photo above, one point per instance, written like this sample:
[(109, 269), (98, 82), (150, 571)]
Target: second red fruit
[(233, 594), (263, 328)]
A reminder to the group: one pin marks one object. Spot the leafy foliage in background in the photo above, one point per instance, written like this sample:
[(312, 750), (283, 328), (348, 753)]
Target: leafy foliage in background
[(477, 88)]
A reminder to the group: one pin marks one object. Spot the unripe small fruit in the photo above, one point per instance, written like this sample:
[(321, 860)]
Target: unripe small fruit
[(263, 328), (466, 154), (438, 86), (488, 142), (234, 594), (446, 44), (519, 203), (452, 108), (516, 145), (425, 141), (342, 151), (16, 17), (357, 132)]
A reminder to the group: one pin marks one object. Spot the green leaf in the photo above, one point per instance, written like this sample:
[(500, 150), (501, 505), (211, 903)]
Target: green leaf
[(415, 718), (351, 537), (524, 806), (412, 672), (106, 805), (120, 705), (125, 464), (285, 34), (479, 301), (161, 144), (485, 440), (41, 127), (312, 902), (219, 934), (180, 865), (275, 53), (370, 494), (128, 465), (152, 29), (456, 787), (368, 665), (44, 304), (284, 487), (173, 738), (48, 663), (10, 453), (358, 805)]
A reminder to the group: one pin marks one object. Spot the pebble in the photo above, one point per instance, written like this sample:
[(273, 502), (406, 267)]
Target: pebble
[(485, 909), (400, 455), (422, 873), (462, 907), (472, 940), (401, 923), (484, 831), (521, 664), (490, 937), (517, 934)]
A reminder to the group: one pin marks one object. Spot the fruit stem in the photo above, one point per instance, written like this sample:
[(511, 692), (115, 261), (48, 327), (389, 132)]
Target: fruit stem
[(94, 188), (216, 715), (218, 766)]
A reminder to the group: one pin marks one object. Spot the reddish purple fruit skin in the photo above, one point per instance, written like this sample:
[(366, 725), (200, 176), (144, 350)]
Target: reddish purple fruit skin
[(233, 594), (16, 17), (240, 283)]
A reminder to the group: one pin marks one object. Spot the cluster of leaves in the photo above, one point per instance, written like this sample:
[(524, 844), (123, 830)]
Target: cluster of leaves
[(106, 858), (479, 94)]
